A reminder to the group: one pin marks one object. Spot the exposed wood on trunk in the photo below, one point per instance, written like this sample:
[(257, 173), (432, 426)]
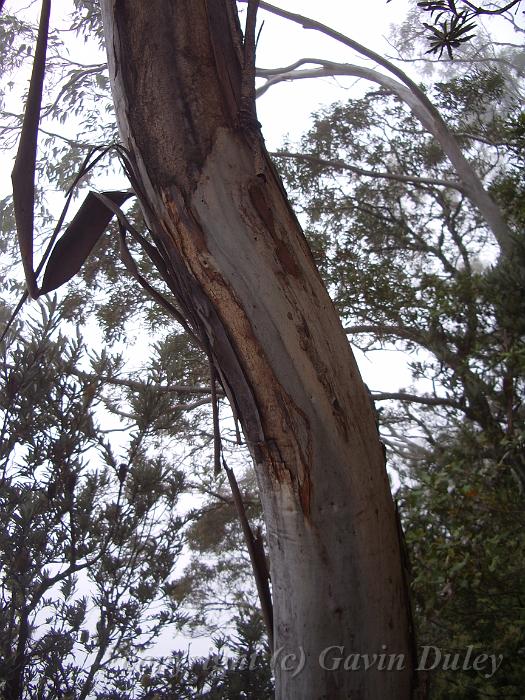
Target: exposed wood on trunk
[(249, 288)]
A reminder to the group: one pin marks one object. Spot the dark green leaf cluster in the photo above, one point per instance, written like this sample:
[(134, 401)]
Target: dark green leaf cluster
[(464, 524), (450, 34), (453, 21)]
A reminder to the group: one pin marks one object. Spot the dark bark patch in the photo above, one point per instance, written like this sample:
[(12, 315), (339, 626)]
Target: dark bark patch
[(305, 495), (262, 206), (287, 260)]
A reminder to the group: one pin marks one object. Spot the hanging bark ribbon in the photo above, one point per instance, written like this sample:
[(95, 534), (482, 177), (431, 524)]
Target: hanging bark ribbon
[(23, 175)]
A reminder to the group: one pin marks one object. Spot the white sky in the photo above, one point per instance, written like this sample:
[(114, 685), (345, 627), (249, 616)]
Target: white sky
[(285, 108)]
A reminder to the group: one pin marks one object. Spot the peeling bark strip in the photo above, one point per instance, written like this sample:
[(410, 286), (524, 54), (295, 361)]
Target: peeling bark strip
[(23, 175), (247, 283)]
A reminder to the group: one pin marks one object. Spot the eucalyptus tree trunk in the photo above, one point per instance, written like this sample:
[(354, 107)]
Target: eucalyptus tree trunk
[(246, 281)]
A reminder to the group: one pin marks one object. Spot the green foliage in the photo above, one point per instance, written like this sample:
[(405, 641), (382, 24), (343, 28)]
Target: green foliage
[(90, 534), (87, 19), (16, 39), (464, 525), (239, 668)]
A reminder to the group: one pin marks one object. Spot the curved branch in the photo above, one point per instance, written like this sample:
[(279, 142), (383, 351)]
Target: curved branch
[(385, 330), (331, 68), (269, 72), (414, 398), (342, 165), (429, 116)]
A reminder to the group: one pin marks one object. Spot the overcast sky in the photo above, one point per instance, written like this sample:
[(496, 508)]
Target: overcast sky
[(286, 107)]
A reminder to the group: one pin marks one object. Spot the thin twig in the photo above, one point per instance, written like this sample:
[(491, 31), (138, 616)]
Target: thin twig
[(257, 556)]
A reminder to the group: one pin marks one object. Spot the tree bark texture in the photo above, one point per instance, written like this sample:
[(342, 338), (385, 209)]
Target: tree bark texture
[(246, 281)]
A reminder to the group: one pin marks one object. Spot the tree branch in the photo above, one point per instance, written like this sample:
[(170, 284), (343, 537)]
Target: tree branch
[(414, 398), (426, 112), (387, 330), (342, 165), (481, 11)]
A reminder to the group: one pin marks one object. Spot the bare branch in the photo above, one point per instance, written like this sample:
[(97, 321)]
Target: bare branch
[(424, 110), (387, 330), (414, 398), (342, 165), (498, 11)]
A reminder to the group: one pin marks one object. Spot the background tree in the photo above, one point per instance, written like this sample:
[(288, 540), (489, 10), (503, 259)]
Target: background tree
[(91, 533), (217, 582), (452, 24), (377, 230), (163, 399), (94, 529), (410, 266)]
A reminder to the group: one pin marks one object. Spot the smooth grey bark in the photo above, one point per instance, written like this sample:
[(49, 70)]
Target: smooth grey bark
[(247, 283)]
